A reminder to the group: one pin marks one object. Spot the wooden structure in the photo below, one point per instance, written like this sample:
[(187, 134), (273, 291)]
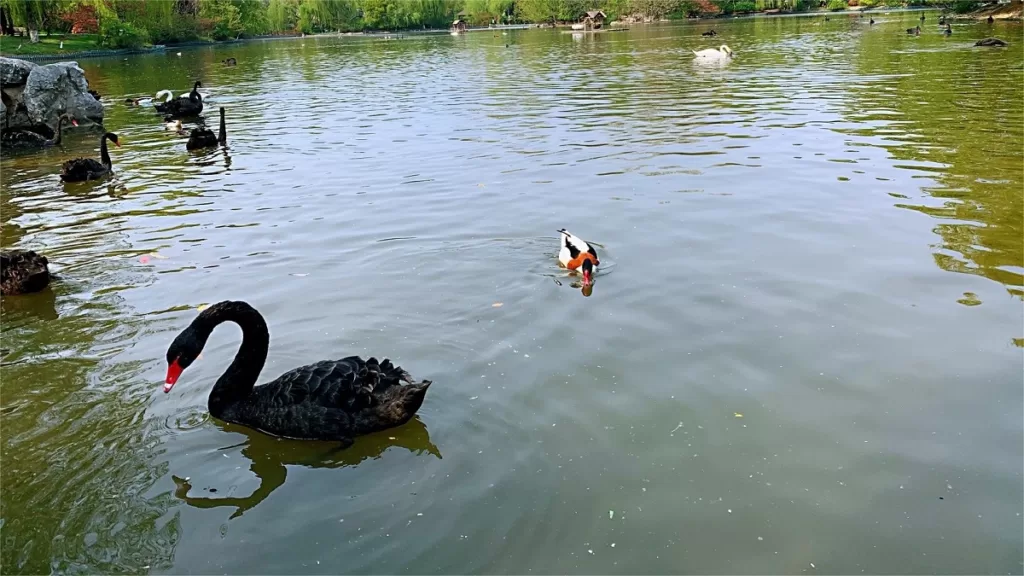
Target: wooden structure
[(459, 26), (593, 20)]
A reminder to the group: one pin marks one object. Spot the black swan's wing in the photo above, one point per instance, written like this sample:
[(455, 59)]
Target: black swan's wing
[(350, 384), (81, 169)]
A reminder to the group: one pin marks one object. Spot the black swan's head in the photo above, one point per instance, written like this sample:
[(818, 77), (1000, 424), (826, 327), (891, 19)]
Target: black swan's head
[(588, 272), (113, 138), (197, 85), (181, 354)]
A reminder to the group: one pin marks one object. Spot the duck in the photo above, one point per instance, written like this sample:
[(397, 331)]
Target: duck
[(173, 125), (942, 20), (916, 31), (577, 254), (922, 17), (333, 400), (948, 31), (714, 53), (709, 33), (871, 22), (990, 19), (83, 169), (230, 62), (205, 138), (23, 272), (991, 42), (184, 106)]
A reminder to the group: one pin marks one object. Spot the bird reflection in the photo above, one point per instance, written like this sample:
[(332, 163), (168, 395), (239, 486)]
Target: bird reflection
[(270, 456), (39, 305)]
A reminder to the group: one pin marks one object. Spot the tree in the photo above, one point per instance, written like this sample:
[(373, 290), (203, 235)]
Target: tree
[(27, 13)]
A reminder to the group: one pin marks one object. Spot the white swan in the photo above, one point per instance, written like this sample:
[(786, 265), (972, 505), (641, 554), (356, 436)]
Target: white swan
[(723, 52), (164, 93)]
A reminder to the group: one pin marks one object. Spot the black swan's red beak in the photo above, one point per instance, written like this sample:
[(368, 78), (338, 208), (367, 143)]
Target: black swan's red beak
[(173, 372)]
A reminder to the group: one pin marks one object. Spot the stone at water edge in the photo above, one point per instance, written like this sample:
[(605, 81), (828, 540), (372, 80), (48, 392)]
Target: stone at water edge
[(14, 72), (54, 89)]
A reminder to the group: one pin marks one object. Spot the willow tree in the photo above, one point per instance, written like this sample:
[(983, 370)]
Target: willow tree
[(27, 13)]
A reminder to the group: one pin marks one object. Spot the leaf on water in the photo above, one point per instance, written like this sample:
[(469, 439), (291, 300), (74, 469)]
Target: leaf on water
[(738, 415), (202, 307), (158, 256), (481, 185), (299, 274), (611, 514), (497, 305)]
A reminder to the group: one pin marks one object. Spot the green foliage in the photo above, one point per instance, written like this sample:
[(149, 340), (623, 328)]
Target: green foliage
[(837, 5), (965, 6), (117, 34)]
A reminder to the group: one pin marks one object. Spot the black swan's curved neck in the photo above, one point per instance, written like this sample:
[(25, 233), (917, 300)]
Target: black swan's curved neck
[(104, 155), (194, 95), (60, 130), (223, 136), (238, 380)]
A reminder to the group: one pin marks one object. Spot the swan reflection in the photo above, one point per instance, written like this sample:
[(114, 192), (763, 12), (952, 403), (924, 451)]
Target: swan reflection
[(270, 456)]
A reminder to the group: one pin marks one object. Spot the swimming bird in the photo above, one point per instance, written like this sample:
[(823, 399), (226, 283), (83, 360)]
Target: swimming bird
[(916, 31), (95, 95), (995, 42), (942, 20), (82, 169), (22, 271), (60, 129), (948, 31), (709, 33), (990, 19), (174, 125), (184, 106), (167, 95), (714, 53), (576, 254), (871, 22), (922, 17), (230, 62), (330, 400), (205, 138)]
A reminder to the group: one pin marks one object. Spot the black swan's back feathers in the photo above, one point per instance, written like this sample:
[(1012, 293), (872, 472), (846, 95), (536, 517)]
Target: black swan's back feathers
[(331, 399), (81, 169)]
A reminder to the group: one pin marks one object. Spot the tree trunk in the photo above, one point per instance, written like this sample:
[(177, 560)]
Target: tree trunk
[(33, 35), (6, 27)]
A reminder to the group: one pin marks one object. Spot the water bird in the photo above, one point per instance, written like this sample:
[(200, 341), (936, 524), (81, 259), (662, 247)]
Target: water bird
[(82, 169), (871, 22), (173, 125), (996, 42), (721, 52), (709, 33), (948, 31), (205, 138), (167, 95), (180, 107), (95, 95), (922, 17), (230, 62), (916, 31), (22, 271), (942, 20), (577, 254), (333, 400), (179, 54), (60, 129), (990, 19), (139, 101)]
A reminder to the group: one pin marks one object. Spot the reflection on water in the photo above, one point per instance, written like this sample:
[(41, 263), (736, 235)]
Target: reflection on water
[(822, 236), (269, 456)]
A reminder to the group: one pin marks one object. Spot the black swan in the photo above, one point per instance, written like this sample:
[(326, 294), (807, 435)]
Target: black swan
[(95, 95), (230, 62), (331, 400), (181, 107), (709, 33), (60, 129), (916, 31), (205, 138), (22, 271), (948, 31), (991, 42), (82, 169)]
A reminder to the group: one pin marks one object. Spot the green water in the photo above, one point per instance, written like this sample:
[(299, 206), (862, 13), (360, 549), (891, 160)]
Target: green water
[(802, 353)]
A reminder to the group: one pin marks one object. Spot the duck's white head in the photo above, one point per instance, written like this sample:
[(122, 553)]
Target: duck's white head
[(725, 50)]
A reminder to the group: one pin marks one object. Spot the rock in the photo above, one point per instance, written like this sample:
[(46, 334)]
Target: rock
[(14, 72), (54, 89), (990, 42), (22, 271)]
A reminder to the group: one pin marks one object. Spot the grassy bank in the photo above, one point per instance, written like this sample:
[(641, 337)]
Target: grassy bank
[(14, 46)]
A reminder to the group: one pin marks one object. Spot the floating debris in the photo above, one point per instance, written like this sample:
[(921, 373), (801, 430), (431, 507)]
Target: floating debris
[(611, 514), (497, 305), (680, 425), (202, 307), (738, 415)]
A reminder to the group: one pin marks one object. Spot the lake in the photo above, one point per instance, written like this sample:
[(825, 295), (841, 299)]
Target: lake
[(802, 353)]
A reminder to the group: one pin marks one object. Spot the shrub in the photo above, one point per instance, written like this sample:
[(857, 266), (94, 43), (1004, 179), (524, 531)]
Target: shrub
[(82, 19), (964, 6), (117, 34), (836, 5), (741, 6)]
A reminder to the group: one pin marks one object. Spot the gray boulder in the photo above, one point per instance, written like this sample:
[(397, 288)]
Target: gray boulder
[(54, 89), (14, 72)]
